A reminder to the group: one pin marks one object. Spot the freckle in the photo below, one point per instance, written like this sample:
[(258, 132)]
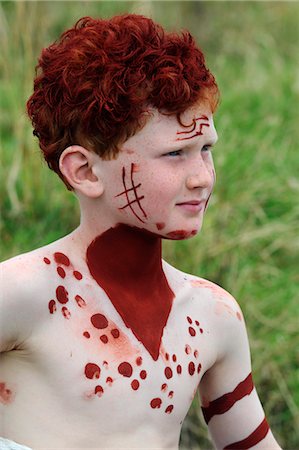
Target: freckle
[(201, 330), (135, 385), (199, 368), (160, 225), (115, 333), (77, 275), (188, 349), (239, 315), (47, 261), (104, 338), (125, 369), (143, 374), (164, 387), (92, 371), (192, 332), (195, 353), (156, 403), (60, 258), (189, 319), (191, 368), (174, 358), (66, 313), (170, 395), (139, 361), (80, 302), (86, 334), (62, 295), (169, 409), (98, 390), (109, 381), (99, 321), (179, 369), (60, 272), (197, 323), (52, 306), (168, 372)]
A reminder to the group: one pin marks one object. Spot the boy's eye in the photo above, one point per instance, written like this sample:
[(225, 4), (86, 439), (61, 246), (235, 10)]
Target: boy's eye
[(174, 153), (206, 148)]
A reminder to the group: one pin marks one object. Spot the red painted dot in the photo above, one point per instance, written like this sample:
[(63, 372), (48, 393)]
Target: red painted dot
[(170, 395), (62, 295), (105, 364), (189, 319), (179, 369), (199, 368), (109, 380), (192, 332), (66, 313), (98, 390), (92, 371), (47, 261), (197, 323), (169, 409), (143, 374), (188, 349), (201, 330), (125, 369), (80, 301), (52, 306), (139, 361), (86, 334), (60, 258), (191, 368), (164, 387), (77, 275), (99, 321), (174, 358), (115, 333), (135, 385), (160, 225), (104, 338), (168, 372), (195, 353), (61, 272), (156, 403), (167, 356)]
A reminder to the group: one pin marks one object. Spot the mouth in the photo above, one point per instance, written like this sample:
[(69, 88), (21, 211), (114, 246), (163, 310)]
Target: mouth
[(192, 205)]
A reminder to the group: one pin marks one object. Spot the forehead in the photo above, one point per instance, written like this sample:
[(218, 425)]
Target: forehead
[(162, 130)]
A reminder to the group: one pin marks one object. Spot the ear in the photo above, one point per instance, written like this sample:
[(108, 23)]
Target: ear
[(77, 165)]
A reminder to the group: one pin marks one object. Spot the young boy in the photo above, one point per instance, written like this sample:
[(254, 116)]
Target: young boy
[(104, 343)]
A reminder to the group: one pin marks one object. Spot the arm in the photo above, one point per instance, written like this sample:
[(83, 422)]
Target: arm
[(231, 407)]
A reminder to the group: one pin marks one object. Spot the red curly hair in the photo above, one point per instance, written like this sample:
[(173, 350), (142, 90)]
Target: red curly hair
[(93, 85)]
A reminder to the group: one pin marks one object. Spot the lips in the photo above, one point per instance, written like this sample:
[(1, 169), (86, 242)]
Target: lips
[(192, 205)]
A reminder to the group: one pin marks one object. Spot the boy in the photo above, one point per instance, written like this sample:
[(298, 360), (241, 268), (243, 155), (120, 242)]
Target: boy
[(104, 343)]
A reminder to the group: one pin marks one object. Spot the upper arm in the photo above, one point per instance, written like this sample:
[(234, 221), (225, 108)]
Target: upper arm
[(231, 406)]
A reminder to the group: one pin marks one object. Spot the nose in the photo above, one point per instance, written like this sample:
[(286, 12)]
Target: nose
[(202, 176)]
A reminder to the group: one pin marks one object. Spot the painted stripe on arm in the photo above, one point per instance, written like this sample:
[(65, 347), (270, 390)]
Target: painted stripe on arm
[(222, 404), (254, 438)]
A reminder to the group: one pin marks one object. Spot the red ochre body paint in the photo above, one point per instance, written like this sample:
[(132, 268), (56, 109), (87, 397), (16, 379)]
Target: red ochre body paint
[(143, 374), (253, 439), (168, 372), (92, 371), (99, 321), (169, 409), (47, 261), (6, 395), (160, 225), (191, 368), (226, 401), (80, 301), (126, 262), (77, 275), (125, 369), (156, 403), (60, 258), (61, 272), (52, 306), (62, 295)]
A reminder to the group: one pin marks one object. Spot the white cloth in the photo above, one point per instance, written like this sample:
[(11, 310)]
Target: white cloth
[(6, 444)]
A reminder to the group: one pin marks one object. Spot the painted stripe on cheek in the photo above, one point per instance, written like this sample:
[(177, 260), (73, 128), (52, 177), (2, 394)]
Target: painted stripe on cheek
[(226, 401), (254, 438)]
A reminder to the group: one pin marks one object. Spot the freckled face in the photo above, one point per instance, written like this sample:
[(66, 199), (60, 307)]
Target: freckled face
[(164, 175)]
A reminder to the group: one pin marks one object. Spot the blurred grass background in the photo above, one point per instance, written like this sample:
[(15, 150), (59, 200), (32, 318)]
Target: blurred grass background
[(249, 243)]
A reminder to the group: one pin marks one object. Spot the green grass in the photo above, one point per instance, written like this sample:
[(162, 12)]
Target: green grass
[(249, 243)]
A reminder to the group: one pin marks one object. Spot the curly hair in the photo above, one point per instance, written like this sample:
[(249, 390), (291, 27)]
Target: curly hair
[(94, 83)]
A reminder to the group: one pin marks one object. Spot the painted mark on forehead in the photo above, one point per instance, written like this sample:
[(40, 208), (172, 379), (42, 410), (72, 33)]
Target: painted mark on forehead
[(133, 190), (199, 132)]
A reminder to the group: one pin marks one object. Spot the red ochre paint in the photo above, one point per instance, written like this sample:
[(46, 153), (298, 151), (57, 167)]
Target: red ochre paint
[(170, 395), (86, 334), (135, 385), (126, 262), (125, 369), (168, 372), (164, 387), (197, 323), (139, 361), (160, 225), (47, 261), (98, 390), (62, 295), (109, 381), (189, 319), (174, 358), (188, 349), (92, 371), (199, 368), (61, 272), (191, 368), (253, 439), (99, 321), (52, 306), (77, 275), (66, 313), (143, 374), (80, 301), (115, 333), (195, 353), (201, 330), (192, 332), (169, 409), (6, 395), (226, 401), (156, 403), (179, 369), (104, 338), (60, 258)]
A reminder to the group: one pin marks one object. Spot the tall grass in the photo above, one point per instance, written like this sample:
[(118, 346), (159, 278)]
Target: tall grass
[(249, 243)]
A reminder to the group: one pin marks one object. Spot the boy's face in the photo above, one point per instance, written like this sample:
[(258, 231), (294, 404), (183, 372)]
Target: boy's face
[(164, 175)]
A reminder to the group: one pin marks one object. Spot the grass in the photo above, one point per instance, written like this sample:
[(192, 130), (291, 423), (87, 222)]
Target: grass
[(249, 243)]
